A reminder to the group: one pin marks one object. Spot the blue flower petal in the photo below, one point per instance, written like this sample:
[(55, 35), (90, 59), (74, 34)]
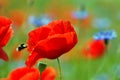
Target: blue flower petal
[(31, 19), (39, 21), (80, 14), (111, 34)]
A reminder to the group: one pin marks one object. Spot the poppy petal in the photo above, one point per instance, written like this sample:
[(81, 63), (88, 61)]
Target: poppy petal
[(32, 59), (47, 48), (48, 74), (22, 72), (52, 47), (36, 35), (3, 55), (4, 21), (6, 36), (31, 76), (71, 39), (5, 30), (60, 27)]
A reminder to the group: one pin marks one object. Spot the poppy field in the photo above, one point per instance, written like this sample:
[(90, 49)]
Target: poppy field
[(59, 40)]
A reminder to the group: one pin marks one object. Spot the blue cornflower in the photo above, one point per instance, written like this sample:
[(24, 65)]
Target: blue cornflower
[(80, 14), (39, 21), (101, 23), (105, 35), (102, 35)]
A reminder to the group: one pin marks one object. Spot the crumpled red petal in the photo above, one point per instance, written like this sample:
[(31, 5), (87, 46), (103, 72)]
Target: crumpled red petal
[(32, 59), (4, 21), (5, 35), (53, 28), (3, 55), (31, 76), (5, 30), (60, 27), (36, 35), (50, 48)]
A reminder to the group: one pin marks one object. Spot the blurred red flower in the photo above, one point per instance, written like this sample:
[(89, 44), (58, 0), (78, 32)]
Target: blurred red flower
[(26, 73), (5, 34), (94, 49), (50, 41), (18, 17), (3, 3)]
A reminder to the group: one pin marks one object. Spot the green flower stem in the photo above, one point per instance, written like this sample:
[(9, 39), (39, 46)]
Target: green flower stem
[(104, 61), (89, 69), (60, 72)]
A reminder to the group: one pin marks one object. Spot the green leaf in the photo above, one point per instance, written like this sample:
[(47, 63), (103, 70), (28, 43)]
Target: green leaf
[(42, 66)]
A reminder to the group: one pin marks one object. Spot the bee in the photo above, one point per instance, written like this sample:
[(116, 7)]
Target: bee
[(21, 47)]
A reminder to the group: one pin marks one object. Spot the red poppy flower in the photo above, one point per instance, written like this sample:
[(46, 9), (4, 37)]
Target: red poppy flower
[(95, 49), (50, 41), (5, 34), (26, 73)]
